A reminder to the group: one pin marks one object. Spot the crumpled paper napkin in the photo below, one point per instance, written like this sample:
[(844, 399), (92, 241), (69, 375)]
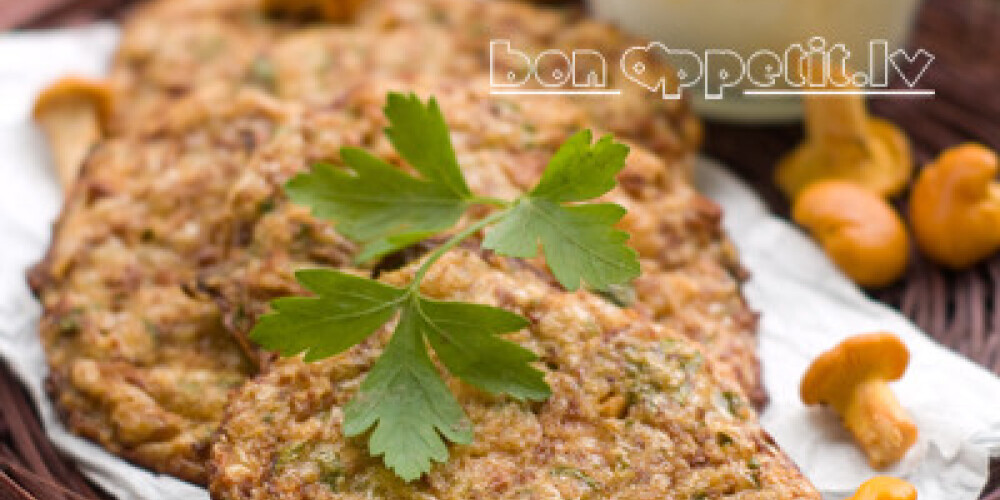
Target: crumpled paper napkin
[(806, 306)]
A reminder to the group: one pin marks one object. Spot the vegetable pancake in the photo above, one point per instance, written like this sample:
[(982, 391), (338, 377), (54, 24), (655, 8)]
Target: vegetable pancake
[(635, 412), (137, 362), (172, 47)]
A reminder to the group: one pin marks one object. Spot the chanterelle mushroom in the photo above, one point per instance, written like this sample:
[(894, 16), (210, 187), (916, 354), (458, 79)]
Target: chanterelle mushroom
[(955, 206), (843, 142), (74, 114), (885, 488), (860, 231), (852, 378)]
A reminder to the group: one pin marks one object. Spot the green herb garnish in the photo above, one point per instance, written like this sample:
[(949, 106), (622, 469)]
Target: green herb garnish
[(403, 399)]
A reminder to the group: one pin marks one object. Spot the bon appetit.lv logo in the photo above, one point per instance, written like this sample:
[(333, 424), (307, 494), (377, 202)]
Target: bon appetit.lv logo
[(713, 72)]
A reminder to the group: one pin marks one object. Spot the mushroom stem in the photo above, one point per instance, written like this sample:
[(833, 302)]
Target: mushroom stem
[(837, 121), (73, 113), (72, 129), (872, 413)]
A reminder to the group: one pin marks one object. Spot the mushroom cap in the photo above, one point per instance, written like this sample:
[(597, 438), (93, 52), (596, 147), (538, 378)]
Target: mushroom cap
[(860, 231), (955, 206), (71, 88), (883, 164), (880, 355), (885, 488)]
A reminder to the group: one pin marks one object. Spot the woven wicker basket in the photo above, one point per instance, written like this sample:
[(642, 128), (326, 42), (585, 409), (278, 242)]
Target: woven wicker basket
[(959, 309)]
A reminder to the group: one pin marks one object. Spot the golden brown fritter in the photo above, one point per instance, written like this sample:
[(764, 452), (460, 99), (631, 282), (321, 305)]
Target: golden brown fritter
[(137, 361), (636, 413), (172, 47), (690, 273)]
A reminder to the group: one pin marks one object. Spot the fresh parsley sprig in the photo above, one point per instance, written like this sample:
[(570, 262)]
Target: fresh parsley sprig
[(384, 209)]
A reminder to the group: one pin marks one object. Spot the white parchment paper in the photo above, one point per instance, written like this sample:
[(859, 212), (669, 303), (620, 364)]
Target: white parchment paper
[(806, 306)]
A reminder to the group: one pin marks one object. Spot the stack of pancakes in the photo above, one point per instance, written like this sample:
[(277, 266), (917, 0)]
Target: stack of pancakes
[(178, 233)]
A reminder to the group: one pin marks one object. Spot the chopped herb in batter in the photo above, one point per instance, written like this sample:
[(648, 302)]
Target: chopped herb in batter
[(573, 472)]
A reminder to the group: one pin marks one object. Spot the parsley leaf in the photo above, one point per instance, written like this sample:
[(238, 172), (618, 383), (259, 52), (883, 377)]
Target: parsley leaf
[(465, 337), (404, 397), (379, 206), (421, 137), (579, 241), (347, 310), (410, 406), (579, 172)]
